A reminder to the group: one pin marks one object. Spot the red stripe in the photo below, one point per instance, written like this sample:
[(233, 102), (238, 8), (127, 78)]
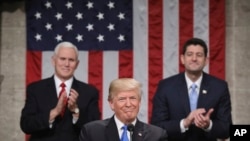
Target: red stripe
[(33, 70), (185, 24), (95, 73), (217, 38), (155, 49), (126, 63), (33, 66)]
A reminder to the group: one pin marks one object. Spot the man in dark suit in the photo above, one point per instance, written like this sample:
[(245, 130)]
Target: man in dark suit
[(124, 99), (211, 117), (55, 112)]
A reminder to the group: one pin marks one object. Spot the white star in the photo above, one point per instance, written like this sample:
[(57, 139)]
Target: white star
[(90, 5), (121, 16), (111, 27), (90, 27), (111, 5), (69, 5), (79, 16), (69, 27), (79, 37), (38, 15), (48, 26), (121, 38), (100, 16), (58, 37), (48, 5), (100, 38), (38, 37), (58, 16)]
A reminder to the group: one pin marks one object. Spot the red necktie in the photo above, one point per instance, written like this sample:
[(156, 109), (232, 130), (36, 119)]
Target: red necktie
[(64, 100)]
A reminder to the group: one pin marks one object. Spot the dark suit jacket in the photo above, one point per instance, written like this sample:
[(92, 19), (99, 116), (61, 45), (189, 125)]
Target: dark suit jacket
[(171, 104), (42, 97), (106, 130)]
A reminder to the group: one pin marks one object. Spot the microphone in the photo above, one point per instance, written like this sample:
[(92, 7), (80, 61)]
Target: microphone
[(131, 128)]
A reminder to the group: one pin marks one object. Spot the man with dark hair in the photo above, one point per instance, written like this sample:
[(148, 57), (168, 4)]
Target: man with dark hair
[(193, 105)]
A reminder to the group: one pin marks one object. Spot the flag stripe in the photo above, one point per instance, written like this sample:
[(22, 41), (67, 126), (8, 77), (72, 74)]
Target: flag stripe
[(185, 24), (33, 66), (217, 38), (95, 72), (125, 63), (110, 72), (155, 48), (171, 37), (201, 22)]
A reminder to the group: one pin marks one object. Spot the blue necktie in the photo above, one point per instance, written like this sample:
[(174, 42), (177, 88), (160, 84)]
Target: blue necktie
[(124, 134), (193, 97)]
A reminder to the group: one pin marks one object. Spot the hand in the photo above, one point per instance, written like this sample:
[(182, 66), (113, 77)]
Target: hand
[(191, 117), (202, 120), (72, 100), (59, 107)]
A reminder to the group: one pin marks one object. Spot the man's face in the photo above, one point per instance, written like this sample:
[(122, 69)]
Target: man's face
[(126, 106), (65, 63), (194, 59)]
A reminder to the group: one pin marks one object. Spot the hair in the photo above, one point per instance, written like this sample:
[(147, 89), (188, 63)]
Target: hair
[(124, 84), (195, 41), (66, 45)]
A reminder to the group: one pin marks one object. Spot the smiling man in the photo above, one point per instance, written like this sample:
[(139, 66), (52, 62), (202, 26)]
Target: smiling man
[(193, 105), (124, 99), (57, 107)]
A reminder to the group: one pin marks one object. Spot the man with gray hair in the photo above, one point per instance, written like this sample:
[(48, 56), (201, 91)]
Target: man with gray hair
[(56, 107)]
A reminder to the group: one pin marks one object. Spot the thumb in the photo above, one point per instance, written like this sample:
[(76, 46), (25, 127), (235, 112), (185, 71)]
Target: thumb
[(210, 111)]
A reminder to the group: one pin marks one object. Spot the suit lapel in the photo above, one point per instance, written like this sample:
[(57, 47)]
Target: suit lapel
[(204, 92), (51, 95), (183, 93), (139, 132), (111, 131)]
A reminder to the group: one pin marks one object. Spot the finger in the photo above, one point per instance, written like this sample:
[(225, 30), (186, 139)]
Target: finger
[(74, 92), (210, 111)]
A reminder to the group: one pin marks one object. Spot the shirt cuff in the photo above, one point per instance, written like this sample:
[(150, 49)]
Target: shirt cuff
[(209, 127), (183, 129)]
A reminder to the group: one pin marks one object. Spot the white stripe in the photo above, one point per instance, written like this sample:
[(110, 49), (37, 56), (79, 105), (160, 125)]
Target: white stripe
[(47, 67), (81, 73), (110, 72), (170, 37), (140, 45), (201, 22)]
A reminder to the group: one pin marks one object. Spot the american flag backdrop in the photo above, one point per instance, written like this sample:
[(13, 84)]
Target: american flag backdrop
[(123, 38)]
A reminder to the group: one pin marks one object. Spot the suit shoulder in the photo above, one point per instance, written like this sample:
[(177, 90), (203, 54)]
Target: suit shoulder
[(215, 79), (40, 83), (172, 79), (86, 85), (154, 127), (97, 124)]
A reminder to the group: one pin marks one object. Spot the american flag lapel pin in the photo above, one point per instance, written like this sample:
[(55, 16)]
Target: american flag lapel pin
[(140, 134), (204, 91)]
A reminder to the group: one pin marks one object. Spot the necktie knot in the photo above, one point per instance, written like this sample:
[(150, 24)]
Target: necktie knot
[(62, 85), (193, 86)]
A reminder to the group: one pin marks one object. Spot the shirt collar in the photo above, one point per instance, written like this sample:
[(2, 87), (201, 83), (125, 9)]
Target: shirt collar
[(68, 84), (190, 82), (119, 124)]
